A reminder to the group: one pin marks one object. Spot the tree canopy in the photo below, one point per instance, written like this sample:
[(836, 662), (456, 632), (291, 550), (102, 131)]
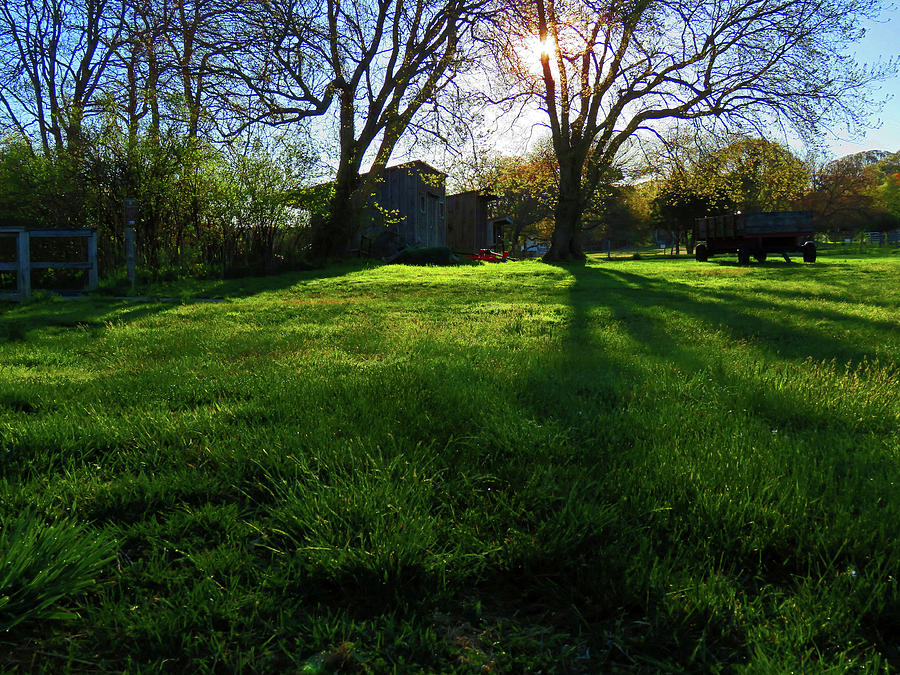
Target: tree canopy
[(361, 75), (746, 174), (856, 192), (611, 71)]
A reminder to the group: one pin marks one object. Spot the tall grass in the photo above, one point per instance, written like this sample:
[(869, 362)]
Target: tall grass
[(654, 464)]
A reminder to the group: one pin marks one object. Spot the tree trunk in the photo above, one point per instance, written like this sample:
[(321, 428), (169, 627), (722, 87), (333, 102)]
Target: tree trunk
[(565, 244), (333, 236)]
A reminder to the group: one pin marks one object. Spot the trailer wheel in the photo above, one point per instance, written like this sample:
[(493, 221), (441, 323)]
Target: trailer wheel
[(743, 256), (809, 252), (701, 253), (760, 256)]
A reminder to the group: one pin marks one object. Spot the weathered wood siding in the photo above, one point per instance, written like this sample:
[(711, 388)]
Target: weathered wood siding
[(412, 194), (467, 222)]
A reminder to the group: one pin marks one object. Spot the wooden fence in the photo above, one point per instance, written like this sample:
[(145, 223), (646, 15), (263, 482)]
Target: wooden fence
[(23, 264)]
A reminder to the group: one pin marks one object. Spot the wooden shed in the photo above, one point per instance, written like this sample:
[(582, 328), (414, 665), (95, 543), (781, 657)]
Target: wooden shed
[(468, 227), (410, 204)]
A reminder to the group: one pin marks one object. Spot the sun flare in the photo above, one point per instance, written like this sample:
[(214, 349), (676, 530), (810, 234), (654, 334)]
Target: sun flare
[(533, 49)]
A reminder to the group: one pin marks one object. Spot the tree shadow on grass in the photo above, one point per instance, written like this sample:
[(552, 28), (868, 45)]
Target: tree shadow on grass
[(741, 317), (590, 364), (237, 287), (822, 274), (88, 314), (549, 563)]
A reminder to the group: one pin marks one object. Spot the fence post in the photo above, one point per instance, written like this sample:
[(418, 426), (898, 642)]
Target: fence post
[(92, 259), (129, 254), (131, 216), (23, 276)]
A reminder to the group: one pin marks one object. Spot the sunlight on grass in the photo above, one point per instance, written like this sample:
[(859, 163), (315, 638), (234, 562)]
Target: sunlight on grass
[(653, 464)]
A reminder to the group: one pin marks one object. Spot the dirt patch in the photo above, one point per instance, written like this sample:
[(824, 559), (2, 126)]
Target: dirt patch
[(313, 301), (726, 272)]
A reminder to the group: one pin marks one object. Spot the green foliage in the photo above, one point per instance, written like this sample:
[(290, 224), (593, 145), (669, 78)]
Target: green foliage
[(641, 464), (41, 563), (681, 198), (19, 178), (527, 188), (761, 175), (527, 191), (202, 210), (314, 198), (749, 175), (856, 193), (426, 255), (40, 191), (890, 195), (256, 216)]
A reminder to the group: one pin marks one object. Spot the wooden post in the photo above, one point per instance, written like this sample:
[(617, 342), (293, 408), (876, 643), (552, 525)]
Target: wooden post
[(129, 254), (23, 276), (131, 215), (92, 259)]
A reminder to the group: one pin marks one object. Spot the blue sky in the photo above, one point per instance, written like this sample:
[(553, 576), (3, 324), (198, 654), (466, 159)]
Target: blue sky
[(882, 42)]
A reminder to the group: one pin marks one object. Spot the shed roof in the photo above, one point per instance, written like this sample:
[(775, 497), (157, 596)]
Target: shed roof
[(488, 196)]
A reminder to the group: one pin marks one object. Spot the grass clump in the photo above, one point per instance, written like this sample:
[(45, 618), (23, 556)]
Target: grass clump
[(43, 563), (14, 331)]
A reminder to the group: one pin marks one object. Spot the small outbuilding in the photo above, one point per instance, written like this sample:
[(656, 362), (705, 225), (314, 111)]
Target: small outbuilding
[(469, 227), (409, 209)]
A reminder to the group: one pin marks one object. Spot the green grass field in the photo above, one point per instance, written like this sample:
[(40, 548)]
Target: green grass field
[(634, 465)]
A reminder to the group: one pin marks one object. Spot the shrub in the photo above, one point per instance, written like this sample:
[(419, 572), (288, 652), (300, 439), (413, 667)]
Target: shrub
[(433, 255)]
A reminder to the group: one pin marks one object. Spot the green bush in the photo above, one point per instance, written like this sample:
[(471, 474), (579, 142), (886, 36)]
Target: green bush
[(42, 563), (428, 255)]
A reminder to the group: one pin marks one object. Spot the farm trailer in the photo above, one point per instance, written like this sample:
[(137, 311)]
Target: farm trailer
[(755, 235)]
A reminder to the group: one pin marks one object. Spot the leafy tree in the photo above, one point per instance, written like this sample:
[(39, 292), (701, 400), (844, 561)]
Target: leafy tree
[(527, 187), (610, 70), (259, 207), (760, 175), (844, 196), (682, 197), (23, 176), (890, 196), (39, 190), (747, 174), (889, 190)]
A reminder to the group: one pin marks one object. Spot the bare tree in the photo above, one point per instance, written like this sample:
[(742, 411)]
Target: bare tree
[(138, 68), (54, 59), (200, 44), (173, 61), (374, 63), (605, 71)]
